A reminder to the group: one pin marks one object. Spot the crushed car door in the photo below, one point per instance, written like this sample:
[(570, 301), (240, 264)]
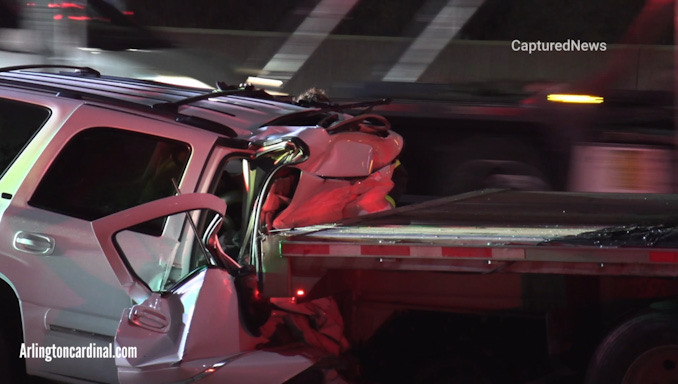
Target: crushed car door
[(190, 328)]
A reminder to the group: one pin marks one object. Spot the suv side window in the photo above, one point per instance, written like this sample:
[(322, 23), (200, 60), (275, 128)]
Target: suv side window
[(104, 170), (18, 124)]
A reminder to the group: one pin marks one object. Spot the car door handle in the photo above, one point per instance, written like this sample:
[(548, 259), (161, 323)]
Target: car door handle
[(148, 318), (34, 243)]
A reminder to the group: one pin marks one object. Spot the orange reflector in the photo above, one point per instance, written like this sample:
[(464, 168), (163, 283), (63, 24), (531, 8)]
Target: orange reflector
[(579, 99), (210, 370)]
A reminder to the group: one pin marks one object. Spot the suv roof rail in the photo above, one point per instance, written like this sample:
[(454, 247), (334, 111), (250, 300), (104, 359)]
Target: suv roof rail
[(77, 70), (87, 94), (328, 107), (246, 90)]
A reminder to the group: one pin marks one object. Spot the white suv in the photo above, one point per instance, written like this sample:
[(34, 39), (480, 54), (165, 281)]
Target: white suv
[(78, 148)]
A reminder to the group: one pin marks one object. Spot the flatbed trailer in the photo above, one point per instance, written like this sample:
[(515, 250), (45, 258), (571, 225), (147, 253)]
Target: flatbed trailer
[(577, 267)]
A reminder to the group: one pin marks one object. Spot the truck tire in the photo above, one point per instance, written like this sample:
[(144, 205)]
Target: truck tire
[(642, 350)]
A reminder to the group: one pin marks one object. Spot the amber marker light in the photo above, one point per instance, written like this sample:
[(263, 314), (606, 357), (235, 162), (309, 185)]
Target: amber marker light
[(571, 98)]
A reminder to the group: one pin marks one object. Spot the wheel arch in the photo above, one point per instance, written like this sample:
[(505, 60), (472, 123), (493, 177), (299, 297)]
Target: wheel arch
[(11, 306)]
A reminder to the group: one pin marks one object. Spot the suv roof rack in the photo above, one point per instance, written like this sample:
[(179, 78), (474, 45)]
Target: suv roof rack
[(322, 106), (243, 90), (81, 91), (77, 70), (249, 103)]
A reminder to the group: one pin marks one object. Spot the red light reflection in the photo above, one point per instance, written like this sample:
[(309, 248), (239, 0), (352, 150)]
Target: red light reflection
[(72, 5)]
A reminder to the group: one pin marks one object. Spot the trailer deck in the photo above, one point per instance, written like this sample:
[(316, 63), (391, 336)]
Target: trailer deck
[(494, 231)]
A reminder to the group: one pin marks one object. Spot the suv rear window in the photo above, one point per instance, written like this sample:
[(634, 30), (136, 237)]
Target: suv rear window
[(104, 170), (18, 124)]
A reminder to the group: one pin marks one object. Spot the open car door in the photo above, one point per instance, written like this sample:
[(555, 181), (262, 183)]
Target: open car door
[(186, 326)]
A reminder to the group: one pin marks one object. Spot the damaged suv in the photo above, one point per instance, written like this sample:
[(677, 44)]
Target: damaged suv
[(130, 213)]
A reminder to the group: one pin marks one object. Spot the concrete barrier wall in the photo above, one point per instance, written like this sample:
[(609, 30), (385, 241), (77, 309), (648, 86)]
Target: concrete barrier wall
[(344, 60)]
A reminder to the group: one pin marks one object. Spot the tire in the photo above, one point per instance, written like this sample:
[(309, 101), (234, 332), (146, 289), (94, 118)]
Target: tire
[(642, 350), (11, 366)]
